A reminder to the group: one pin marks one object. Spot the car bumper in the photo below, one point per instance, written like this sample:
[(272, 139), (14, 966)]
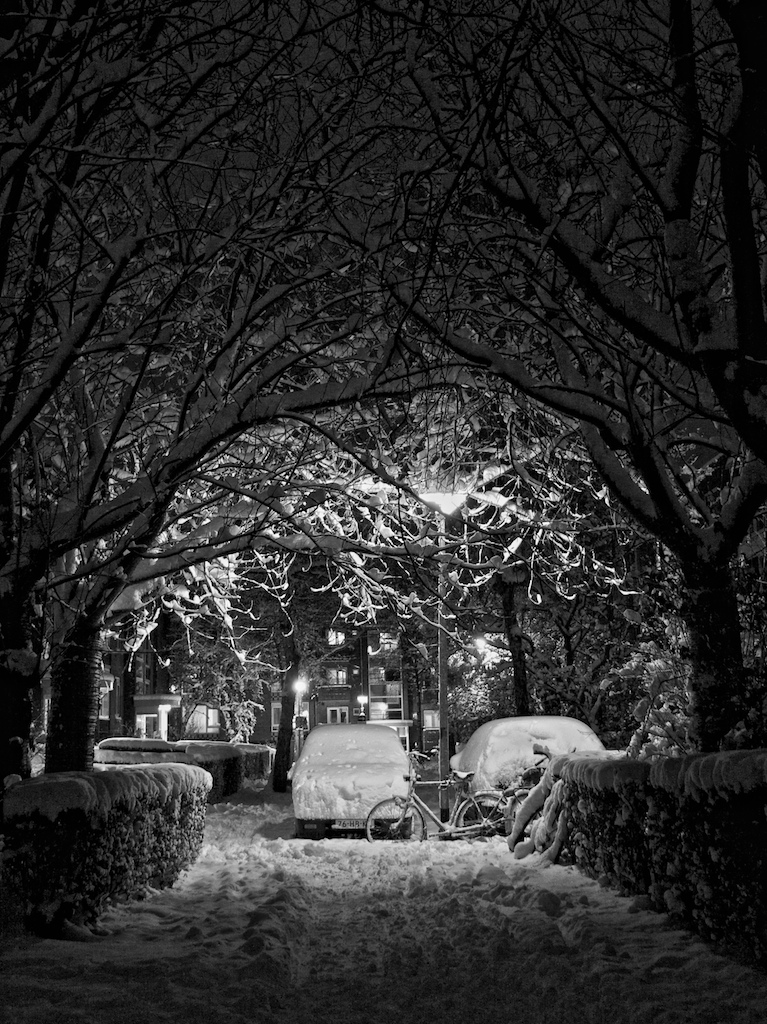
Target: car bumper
[(321, 828)]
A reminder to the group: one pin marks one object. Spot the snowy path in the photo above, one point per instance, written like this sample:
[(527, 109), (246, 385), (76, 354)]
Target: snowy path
[(267, 928)]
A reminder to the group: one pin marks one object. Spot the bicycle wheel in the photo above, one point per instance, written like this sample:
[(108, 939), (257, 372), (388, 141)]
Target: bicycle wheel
[(483, 810), (396, 821)]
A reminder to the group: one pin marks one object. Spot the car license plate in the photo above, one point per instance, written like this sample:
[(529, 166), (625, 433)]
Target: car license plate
[(346, 823)]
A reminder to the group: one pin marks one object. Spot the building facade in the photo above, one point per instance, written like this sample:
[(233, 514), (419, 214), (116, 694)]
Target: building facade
[(361, 679)]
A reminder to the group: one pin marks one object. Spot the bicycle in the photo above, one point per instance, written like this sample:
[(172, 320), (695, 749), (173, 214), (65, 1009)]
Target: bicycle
[(518, 795), (403, 818)]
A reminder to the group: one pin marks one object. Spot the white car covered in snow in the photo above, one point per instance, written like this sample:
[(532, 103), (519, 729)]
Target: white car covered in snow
[(500, 752), (341, 773)]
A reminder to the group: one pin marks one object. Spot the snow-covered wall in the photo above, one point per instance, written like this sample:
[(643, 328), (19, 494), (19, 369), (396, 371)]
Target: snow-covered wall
[(689, 832), (74, 840)]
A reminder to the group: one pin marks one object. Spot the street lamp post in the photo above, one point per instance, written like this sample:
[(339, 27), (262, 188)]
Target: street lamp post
[(299, 688), (362, 701), (447, 503), (297, 735)]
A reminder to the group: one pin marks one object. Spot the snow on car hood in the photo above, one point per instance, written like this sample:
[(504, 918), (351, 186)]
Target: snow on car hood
[(498, 752), (343, 770)]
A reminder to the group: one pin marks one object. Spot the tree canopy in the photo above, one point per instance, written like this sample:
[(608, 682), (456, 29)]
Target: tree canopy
[(269, 272), (586, 222)]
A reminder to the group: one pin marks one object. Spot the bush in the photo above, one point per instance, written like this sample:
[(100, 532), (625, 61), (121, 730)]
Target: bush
[(690, 832), (77, 840), (229, 764)]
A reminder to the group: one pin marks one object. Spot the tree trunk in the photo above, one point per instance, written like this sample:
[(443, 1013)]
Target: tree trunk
[(506, 587), (129, 700), (282, 755), (74, 699), (717, 691), (19, 677)]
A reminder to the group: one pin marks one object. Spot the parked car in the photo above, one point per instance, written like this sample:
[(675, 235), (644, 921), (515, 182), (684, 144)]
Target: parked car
[(501, 752), (341, 773)]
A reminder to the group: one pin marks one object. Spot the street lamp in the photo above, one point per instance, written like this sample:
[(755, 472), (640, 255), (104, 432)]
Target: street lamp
[(362, 701), (481, 645), (447, 503), (299, 688)]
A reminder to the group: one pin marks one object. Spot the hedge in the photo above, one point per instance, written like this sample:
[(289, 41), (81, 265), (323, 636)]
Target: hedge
[(689, 832), (230, 764), (74, 841)]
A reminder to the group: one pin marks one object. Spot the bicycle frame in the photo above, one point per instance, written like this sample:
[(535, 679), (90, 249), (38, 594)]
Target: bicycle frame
[(450, 829)]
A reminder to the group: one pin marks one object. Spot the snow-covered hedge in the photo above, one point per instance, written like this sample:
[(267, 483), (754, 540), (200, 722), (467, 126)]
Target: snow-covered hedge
[(135, 743), (689, 832), (257, 760), (229, 764), (75, 840), (126, 755)]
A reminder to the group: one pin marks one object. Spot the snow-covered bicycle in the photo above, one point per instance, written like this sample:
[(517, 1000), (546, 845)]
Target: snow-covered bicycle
[(404, 818), (519, 794)]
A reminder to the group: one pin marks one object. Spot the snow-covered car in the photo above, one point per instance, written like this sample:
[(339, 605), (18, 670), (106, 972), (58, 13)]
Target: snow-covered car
[(500, 752), (341, 773)]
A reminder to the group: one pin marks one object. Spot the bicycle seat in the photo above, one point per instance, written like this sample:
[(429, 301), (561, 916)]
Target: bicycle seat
[(462, 775)]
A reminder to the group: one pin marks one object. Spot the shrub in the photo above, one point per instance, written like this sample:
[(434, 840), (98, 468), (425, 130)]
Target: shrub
[(76, 840)]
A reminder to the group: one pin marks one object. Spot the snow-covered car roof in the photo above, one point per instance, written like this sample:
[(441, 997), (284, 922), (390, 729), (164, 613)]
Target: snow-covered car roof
[(343, 770), (498, 752)]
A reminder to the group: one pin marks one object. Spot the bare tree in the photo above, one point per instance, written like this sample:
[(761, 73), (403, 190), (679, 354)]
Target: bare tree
[(173, 287), (585, 219)]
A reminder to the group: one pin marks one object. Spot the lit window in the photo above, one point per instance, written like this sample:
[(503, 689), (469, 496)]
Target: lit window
[(104, 703), (386, 699), (336, 637), (337, 677), (338, 716), (388, 642)]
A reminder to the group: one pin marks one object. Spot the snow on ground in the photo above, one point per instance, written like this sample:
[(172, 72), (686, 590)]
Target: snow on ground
[(267, 928)]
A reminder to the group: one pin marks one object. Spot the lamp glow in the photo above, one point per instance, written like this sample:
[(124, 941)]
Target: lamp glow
[(446, 501)]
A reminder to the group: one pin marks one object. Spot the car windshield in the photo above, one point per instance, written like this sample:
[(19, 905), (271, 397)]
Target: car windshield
[(351, 744)]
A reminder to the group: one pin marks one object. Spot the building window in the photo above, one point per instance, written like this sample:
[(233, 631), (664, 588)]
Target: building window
[(276, 715), (338, 677), (386, 700), (104, 703), (106, 686), (336, 637), (338, 715), (388, 642), (146, 726), (143, 673)]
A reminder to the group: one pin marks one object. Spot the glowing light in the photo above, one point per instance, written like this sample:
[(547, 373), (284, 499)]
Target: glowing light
[(446, 501)]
